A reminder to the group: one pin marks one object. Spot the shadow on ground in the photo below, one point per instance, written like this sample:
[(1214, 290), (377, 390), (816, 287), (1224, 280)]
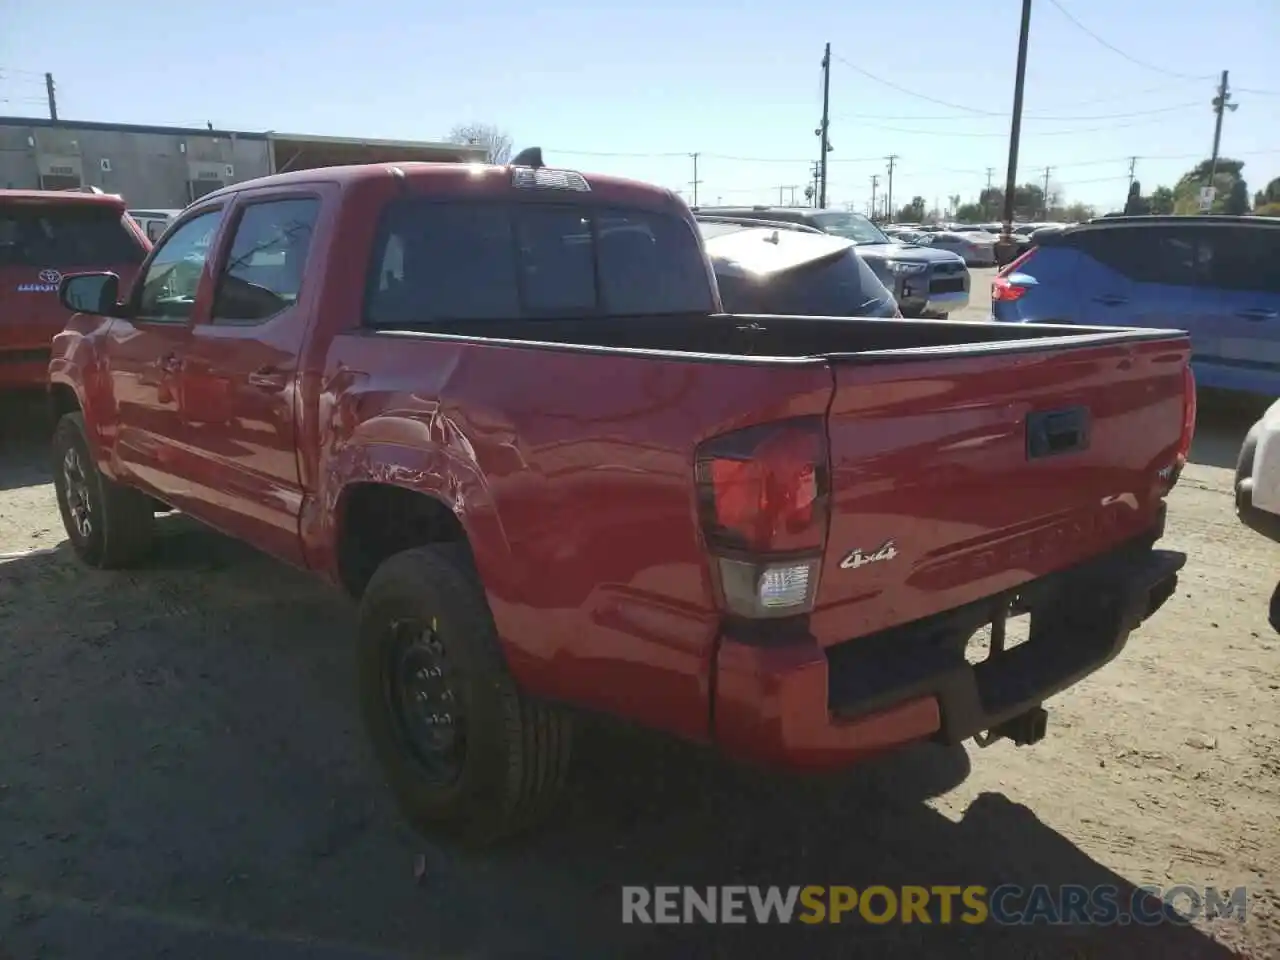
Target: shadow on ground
[(25, 428), (182, 773), (1222, 420)]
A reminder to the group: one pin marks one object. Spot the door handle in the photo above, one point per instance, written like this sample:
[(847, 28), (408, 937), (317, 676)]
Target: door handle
[(1111, 300), (268, 378), (1257, 314)]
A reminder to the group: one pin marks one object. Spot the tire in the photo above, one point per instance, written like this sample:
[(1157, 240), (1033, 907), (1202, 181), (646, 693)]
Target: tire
[(109, 525), (514, 751), (1244, 462)]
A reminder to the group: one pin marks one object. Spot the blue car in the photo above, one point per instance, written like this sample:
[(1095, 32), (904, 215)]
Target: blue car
[(1216, 277)]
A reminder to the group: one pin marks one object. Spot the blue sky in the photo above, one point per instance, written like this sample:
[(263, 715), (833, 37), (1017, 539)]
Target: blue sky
[(626, 87)]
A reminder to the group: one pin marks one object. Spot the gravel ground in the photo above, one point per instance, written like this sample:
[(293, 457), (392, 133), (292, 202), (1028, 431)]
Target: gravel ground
[(182, 774)]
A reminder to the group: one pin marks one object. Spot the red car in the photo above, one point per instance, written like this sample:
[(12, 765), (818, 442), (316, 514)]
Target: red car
[(44, 235), (502, 407)]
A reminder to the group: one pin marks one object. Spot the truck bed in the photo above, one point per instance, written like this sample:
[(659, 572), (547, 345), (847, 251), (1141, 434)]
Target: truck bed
[(738, 335)]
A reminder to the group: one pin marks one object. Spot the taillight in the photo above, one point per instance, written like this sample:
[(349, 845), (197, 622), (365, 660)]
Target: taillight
[(1188, 415), (763, 501), (1005, 291)]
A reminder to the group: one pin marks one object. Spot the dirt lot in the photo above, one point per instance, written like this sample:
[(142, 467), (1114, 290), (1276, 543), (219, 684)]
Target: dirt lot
[(182, 774)]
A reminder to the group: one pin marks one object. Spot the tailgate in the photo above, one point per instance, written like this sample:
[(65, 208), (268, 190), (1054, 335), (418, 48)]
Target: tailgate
[(962, 476)]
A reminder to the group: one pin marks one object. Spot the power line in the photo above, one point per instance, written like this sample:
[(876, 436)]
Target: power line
[(1097, 116), (1116, 50), (915, 93), (997, 133)]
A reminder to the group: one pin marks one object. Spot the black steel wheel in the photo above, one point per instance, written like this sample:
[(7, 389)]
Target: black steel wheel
[(462, 748)]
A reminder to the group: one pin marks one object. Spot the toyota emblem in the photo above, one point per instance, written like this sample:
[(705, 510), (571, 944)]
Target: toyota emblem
[(50, 276)]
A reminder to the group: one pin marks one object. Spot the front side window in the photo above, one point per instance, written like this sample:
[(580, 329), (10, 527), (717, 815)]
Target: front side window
[(450, 262), (263, 272), (168, 291)]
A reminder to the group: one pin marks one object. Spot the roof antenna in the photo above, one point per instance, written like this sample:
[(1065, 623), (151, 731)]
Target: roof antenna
[(528, 157)]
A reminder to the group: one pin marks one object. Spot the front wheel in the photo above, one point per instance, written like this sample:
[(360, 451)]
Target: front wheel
[(109, 525), (462, 748)]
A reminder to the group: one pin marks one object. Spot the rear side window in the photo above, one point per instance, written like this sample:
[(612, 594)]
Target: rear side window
[(839, 287), (1243, 258), (444, 262), (66, 236), (1172, 256)]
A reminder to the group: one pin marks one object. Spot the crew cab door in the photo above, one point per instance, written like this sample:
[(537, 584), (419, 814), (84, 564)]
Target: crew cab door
[(144, 353), (238, 379)]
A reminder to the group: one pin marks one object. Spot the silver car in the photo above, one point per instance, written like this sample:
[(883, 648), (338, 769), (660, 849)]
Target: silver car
[(977, 247)]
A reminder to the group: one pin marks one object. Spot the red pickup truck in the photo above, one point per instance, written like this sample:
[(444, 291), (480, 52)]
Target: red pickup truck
[(501, 406)]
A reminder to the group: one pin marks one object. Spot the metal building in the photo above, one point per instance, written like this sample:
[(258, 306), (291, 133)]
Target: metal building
[(168, 167)]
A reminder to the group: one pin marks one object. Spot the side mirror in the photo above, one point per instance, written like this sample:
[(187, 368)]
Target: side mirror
[(96, 293)]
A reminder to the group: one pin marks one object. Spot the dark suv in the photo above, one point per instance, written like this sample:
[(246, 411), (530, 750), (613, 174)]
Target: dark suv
[(1214, 276), (924, 282)]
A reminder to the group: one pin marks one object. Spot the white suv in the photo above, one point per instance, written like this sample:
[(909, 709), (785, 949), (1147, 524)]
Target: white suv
[(1258, 485)]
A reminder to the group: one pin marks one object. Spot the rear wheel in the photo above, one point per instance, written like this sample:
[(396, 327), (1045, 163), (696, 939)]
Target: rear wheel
[(462, 748), (109, 525)]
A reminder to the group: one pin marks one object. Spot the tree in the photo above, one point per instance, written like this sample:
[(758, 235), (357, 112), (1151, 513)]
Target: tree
[(1271, 194), (1237, 204), (1077, 212), (1136, 204), (1187, 190), (913, 212), (496, 142), (1161, 201), (968, 212)]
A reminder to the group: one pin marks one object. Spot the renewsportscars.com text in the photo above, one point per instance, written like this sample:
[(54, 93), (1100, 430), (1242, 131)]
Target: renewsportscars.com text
[(1008, 904)]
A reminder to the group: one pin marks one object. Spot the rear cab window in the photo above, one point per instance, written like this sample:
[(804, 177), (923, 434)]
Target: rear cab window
[(438, 262), (839, 286), (66, 236)]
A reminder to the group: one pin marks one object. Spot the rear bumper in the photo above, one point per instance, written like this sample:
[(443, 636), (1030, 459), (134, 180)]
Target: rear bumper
[(796, 704), (23, 369)]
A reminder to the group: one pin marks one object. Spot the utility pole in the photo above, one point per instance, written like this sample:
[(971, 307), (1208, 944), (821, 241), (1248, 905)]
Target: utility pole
[(875, 182), (1133, 166), (826, 124), (695, 181), (816, 185), (986, 199), (50, 89), (1045, 194), (1221, 103), (888, 197), (1015, 133)]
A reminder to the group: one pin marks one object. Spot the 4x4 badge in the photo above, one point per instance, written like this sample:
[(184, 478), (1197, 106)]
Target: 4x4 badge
[(856, 558)]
